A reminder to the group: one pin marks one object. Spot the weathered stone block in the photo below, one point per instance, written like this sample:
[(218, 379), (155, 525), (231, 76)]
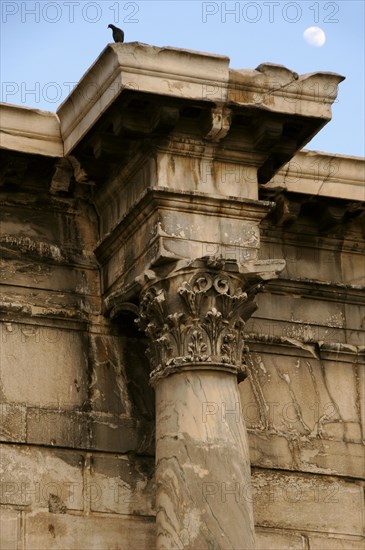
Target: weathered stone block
[(108, 388), (352, 265), (303, 413), (56, 360), (123, 485), (316, 456), (308, 311), (328, 320), (12, 423), (45, 531), (279, 539), (89, 430), (113, 433), (331, 542), (41, 478), (321, 263), (294, 394), (9, 529), (22, 272), (207, 175), (312, 502), (58, 427)]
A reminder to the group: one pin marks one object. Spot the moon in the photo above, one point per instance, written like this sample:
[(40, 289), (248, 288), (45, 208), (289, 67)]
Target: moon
[(315, 36)]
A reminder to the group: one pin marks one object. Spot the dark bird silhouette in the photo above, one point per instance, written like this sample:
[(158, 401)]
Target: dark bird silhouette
[(118, 34)]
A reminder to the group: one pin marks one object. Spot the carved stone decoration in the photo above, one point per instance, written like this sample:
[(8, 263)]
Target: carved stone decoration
[(197, 316), (62, 176), (285, 212), (220, 123)]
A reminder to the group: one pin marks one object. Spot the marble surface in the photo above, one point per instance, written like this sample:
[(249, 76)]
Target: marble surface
[(203, 486)]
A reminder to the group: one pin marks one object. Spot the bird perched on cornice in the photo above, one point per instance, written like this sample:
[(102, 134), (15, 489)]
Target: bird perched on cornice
[(118, 34)]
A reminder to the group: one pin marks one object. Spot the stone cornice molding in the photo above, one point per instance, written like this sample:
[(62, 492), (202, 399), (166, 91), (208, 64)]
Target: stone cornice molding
[(276, 88), (283, 345), (30, 131), (335, 351), (205, 80), (322, 174), (286, 109), (32, 249), (14, 306), (143, 68), (319, 290), (195, 314)]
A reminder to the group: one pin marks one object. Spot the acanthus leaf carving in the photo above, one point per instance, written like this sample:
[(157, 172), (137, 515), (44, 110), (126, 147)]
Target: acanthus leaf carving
[(196, 318)]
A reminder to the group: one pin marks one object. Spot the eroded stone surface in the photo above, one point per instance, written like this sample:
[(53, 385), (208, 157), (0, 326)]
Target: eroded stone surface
[(32, 477), (28, 349), (316, 503), (10, 537), (46, 531), (304, 412), (202, 468)]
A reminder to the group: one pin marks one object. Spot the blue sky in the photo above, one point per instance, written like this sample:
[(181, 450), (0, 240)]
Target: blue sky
[(46, 46)]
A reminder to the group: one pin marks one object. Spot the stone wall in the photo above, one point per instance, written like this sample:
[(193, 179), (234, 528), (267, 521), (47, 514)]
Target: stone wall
[(77, 420), (304, 405), (76, 431)]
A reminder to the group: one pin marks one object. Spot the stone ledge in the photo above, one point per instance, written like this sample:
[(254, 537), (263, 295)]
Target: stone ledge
[(30, 131), (322, 174), (286, 345), (318, 290)]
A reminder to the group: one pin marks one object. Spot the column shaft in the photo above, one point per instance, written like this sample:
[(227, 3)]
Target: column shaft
[(194, 317), (203, 496)]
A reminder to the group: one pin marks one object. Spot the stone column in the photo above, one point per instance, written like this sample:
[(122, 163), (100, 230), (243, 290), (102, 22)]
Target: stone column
[(194, 318)]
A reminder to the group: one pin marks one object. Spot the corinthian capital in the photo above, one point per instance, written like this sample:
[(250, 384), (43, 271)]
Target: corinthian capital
[(195, 316)]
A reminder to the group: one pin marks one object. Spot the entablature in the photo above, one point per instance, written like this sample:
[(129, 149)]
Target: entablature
[(275, 119)]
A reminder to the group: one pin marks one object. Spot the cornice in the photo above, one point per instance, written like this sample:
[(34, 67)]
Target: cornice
[(18, 246), (14, 307), (138, 67), (322, 174), (282, 104), (276, 88), (30, 131), (318, 290), (348, 245), (200, 77), (282, 345)]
